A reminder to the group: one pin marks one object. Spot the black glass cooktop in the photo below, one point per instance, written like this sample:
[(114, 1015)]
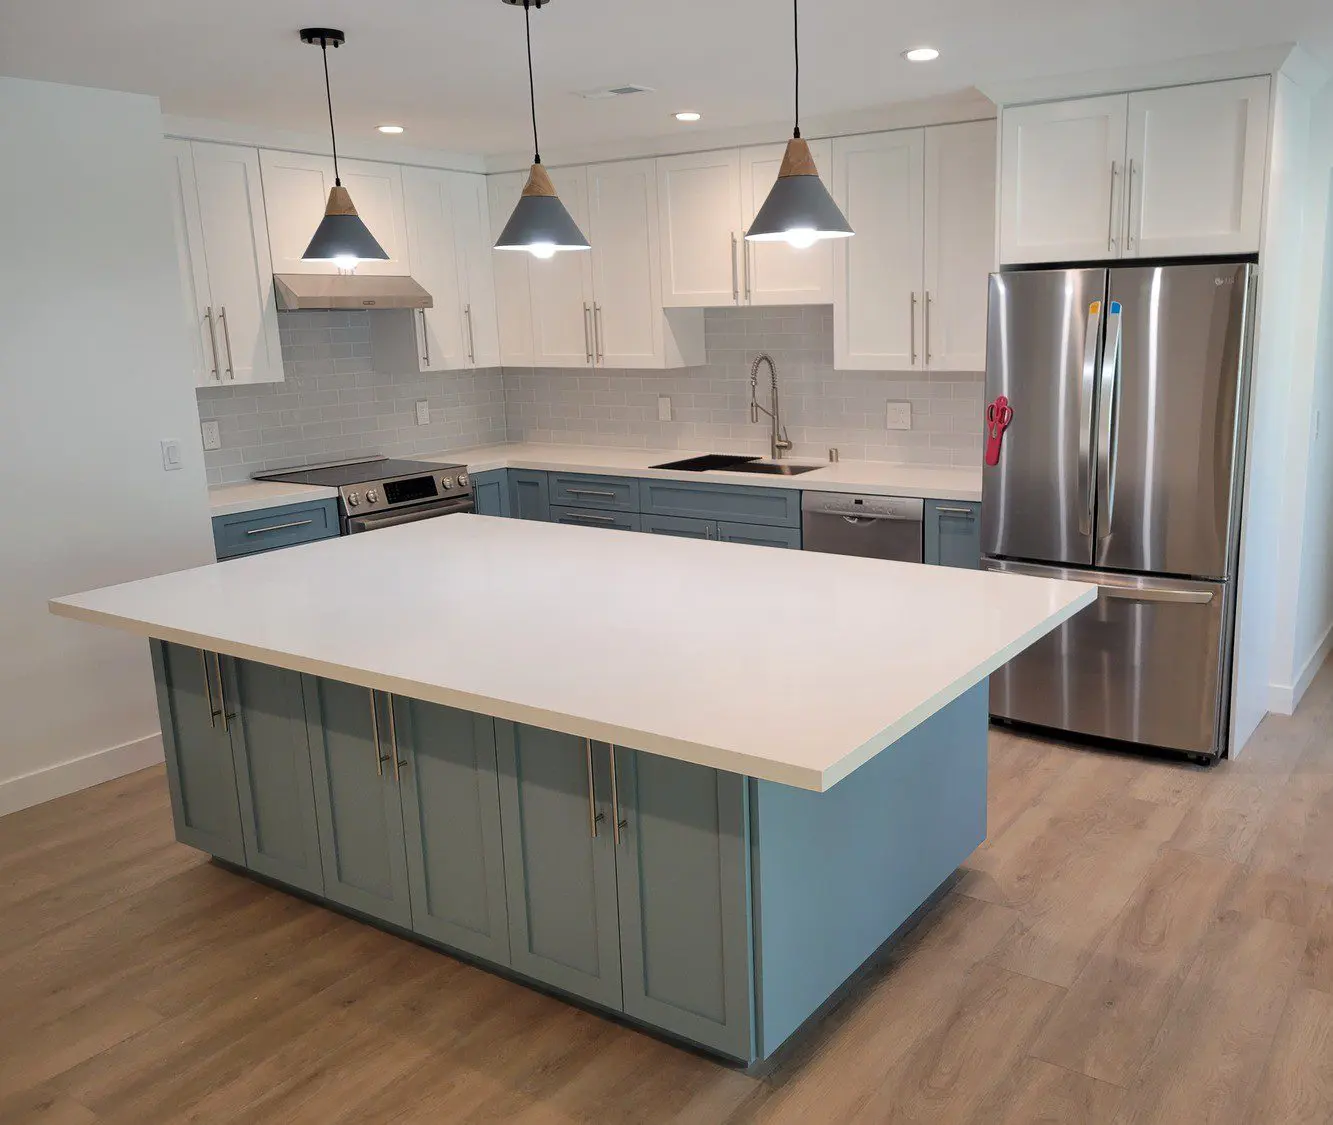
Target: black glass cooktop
[(360, 472)]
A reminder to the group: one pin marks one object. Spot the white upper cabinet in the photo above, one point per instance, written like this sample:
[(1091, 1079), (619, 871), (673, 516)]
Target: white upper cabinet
[(1195, 168), (879, 182), (296, 190), (562, 300), (512, 275), (699, 204), (773, 273), (960, 244), (627, 324), (473, 243), (1061, 180), (225, 266)]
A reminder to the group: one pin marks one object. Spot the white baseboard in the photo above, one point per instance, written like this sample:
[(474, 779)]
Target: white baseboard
[(1285, 698), (79, 773)]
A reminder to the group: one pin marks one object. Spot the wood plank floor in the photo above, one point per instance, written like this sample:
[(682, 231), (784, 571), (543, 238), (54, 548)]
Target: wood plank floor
[(1137, 942)]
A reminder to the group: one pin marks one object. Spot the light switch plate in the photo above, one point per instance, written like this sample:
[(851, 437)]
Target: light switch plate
[(171, 455), (664, 408), (423, 413), (212, 432), (898, 416)]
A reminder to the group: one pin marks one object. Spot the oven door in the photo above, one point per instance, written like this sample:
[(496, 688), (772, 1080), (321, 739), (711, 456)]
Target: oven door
[(358, 524)]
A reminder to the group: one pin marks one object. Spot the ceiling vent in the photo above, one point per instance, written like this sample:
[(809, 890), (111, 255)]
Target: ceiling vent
[(604, 92)]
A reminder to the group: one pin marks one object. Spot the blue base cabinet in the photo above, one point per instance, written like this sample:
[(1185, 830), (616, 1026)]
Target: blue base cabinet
[(953, 534), (587, 517), (267, 529), (529, 496), (490, 491)]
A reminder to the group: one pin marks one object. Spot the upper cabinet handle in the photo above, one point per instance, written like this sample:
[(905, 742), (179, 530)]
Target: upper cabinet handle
[(735, 273), (425, 339), (928, 304), (913, 330), (213, 341), (1129, 189), (471, 339), (587, 333), (597, 332), (1110, 210), (226, 339)]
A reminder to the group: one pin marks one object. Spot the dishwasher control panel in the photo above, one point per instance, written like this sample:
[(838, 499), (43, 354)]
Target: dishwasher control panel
[(871, 507)]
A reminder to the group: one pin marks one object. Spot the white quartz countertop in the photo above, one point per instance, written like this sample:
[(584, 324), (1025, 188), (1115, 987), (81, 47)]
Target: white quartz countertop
[(796, 667), (882, 478), (254, 495)]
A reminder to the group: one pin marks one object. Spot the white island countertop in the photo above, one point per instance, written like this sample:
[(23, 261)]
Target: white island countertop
[(789, 666)]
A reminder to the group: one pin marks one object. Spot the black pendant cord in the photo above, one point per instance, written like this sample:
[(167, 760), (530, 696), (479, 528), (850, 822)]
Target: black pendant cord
[(796, 52), (532, 88), (328, 93)]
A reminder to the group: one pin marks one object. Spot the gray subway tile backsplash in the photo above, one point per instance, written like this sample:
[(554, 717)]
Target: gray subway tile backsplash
[(335, 403)]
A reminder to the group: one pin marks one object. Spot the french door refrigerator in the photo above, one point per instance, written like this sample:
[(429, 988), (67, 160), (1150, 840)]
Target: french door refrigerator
[(1117, 458)]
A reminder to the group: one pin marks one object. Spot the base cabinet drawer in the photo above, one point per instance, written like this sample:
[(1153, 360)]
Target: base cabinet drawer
[(582, 491), (759, 536), (248, 533), (584, 517), (679, 526), (777, 507)]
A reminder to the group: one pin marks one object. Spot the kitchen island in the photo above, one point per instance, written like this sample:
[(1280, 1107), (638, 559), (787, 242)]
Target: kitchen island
[(696, 784)]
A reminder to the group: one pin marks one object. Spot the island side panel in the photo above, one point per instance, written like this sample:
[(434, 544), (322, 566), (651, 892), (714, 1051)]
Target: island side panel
[(836, 873)]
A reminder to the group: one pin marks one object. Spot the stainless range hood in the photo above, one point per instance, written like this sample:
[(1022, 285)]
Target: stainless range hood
[(348, 291)]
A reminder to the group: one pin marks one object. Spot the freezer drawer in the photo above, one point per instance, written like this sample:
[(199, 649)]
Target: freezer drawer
[(1144, 664)]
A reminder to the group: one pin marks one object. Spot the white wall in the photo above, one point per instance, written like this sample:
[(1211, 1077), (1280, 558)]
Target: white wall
[(95, 371)]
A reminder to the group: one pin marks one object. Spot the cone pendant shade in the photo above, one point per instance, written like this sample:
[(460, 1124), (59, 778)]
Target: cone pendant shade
[(540, 224), (799, 209), (341, 235)]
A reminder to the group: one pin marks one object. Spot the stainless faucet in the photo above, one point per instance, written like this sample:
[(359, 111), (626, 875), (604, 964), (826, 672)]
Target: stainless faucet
[(779, 441)]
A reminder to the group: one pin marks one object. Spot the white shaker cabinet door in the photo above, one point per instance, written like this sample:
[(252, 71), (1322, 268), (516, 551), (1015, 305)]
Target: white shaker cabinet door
[(1062, 179), (878, 292), (627, 304), (1195, 168), (701, 228), (562, 286), (296, 190), (511, 272), (429, 206), (197, 298), (774, 273), (476, 274), (960, 244)]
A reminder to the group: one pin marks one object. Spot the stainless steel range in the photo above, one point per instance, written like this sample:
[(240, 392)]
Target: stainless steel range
[(378, 492)]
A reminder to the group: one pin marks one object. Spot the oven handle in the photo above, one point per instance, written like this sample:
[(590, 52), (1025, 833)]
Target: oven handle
[(392, 519)]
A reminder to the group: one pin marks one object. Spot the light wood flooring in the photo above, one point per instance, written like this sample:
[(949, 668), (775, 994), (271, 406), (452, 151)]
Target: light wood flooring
[(1138, 941)]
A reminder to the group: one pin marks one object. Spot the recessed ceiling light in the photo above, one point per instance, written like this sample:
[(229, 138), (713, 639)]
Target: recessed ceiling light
[(921, 54), (688, 115), (391, 128)]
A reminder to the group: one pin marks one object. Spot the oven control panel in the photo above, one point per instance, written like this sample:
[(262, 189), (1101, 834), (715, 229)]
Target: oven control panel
[(448, 482)]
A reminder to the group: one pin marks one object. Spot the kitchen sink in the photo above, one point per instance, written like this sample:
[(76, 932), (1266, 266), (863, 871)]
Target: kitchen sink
[(707, 461), (773, 468)]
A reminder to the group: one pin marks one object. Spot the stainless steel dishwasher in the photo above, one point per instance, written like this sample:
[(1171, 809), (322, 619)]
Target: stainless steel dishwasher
[(874, 527)]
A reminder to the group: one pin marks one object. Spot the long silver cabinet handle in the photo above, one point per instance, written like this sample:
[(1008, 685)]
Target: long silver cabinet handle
[(213, 343), (425, 339), (208, 690), (745, 249), (735, 274), (594, 817), (280, 526), (1183, 597), (222, 694), (375, 733), (590, 492), (597, 333), (966, 513), (1087, 401), (618, 824), (1129, 195), (927, 324), (226, 339), (587, 517), (1110, 210), (471, 338), (587, 333), (398, 762), (913, 323)]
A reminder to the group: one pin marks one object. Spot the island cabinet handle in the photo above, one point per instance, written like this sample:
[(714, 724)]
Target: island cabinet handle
[(967, 513), (594, 817), (222, 696), (208, 690), (375, 733), (619, 824), (398, 761)]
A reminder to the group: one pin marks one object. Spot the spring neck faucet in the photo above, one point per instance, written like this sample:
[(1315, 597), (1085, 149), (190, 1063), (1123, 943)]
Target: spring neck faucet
[(778, 441)]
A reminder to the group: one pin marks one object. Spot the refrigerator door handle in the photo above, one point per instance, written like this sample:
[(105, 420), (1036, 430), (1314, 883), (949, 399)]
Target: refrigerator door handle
[(1108, 394), (1087, 396), (1155, 594)]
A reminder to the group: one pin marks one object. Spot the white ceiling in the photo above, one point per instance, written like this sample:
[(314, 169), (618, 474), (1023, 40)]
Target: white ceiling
[(452, 71)]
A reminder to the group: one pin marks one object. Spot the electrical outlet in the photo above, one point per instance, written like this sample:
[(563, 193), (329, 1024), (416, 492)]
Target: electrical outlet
[(664, 408), (898, 416), (423, 413), (171, 455), (212, 432)]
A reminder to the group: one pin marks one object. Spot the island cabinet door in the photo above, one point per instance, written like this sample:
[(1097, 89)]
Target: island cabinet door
[(683, 874), (451, 825), (201, 775), (953, 534), (356, 800), (560, 866), (271, 750)]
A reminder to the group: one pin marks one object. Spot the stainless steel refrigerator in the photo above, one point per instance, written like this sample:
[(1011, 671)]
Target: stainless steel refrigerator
[(1116, 428)]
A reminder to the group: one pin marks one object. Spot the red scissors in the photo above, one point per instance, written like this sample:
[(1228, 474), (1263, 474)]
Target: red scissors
[(998, 416)]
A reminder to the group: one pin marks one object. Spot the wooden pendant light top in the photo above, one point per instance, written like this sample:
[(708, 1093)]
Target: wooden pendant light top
[(539, 183), (797, 160), (340, 202)]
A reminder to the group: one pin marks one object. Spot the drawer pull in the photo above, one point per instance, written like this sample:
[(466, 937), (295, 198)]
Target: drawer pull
[(279, 527), (585, 517), (965, 512), (590, 492)]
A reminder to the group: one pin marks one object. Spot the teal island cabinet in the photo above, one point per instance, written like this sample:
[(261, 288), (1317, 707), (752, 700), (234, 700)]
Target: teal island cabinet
[(715, 908)]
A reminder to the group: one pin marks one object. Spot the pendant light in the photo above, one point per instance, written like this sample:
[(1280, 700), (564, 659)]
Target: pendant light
[(799, 209), (341, 236), (540, 224)]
